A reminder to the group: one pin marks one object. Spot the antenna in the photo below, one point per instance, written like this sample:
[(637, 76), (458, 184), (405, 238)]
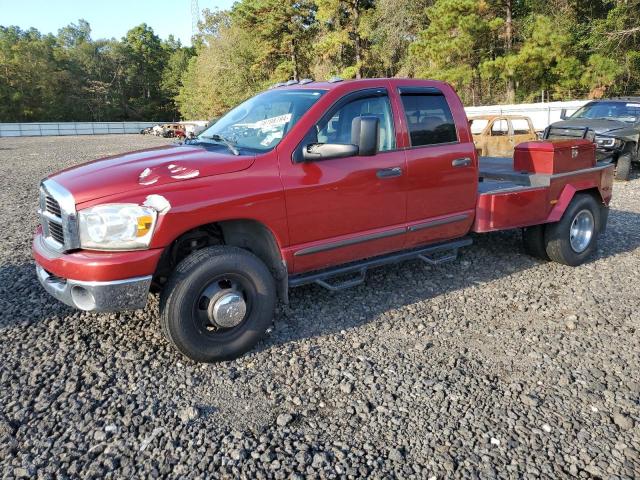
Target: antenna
[(195, 16)]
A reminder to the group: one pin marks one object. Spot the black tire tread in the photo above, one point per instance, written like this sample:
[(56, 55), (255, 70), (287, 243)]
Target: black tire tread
[(181, 274), (623, 167), (556, 234), (533, 241)]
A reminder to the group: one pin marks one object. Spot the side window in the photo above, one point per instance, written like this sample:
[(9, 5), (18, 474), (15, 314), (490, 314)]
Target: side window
[(520, 126), (429, 119), (500, 128), (337, 129)]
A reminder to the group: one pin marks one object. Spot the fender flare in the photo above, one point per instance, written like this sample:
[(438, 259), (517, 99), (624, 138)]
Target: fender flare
[(567, 194)]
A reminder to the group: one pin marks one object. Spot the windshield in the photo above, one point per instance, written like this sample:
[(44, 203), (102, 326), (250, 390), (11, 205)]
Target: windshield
[(261, 122), (625, 112)]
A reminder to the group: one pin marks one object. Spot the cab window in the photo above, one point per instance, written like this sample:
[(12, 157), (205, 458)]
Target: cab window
[(429, 119), (337, 128)]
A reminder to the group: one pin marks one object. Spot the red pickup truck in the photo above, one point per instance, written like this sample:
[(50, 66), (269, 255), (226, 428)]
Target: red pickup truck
[(308, 182)]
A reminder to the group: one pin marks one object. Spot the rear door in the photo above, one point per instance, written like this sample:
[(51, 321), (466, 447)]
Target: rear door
[(441, 166)]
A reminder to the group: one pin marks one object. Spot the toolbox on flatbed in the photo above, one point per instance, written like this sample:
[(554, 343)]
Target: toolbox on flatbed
[(554, 156)]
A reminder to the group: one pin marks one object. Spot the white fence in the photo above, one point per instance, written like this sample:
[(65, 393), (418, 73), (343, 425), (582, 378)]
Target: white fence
[(541, 114), (71, 128)]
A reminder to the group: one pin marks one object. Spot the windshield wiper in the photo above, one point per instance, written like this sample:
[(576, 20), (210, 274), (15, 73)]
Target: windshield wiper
[(224, 140)]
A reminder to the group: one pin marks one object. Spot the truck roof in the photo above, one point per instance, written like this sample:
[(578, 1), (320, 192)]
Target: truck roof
[(616, 99), (354, 83)]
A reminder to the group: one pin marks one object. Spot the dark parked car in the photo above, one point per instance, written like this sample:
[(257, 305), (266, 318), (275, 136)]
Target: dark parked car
[(614, 124)]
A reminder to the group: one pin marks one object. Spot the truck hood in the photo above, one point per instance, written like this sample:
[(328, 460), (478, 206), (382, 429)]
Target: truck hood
[(144, 168), (598, 125)]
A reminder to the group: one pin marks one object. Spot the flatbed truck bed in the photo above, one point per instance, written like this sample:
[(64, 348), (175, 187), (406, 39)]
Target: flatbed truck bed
[(508, 198)]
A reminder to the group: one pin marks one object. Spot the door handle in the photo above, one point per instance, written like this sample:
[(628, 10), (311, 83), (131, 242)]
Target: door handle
[(389, 172), (461, 162)]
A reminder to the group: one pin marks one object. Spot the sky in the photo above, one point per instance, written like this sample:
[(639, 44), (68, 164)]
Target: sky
[(108, 18)]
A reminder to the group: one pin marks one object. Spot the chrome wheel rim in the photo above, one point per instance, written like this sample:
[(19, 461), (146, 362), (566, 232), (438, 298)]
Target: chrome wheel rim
[(581, 231), (223, 304), (228, 310)]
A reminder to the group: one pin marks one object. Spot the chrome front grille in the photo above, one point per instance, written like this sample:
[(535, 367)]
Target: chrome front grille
[(58, 217), (56, 232), (52, 206), (51, 217)]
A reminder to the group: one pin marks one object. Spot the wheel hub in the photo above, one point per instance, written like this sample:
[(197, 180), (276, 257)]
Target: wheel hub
[(581, 231), (227, 309)]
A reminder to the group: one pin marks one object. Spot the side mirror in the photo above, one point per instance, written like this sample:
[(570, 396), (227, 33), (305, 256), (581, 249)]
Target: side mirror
[(325, 151), (364, 142), (563, 114), (365, 133)]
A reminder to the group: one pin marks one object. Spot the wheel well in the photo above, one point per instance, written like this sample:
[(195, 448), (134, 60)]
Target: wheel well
[(630, 147), (249, 235), (594, 192), (604, 209)]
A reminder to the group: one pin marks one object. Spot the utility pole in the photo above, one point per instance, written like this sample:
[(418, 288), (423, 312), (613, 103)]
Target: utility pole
[(511, 88), (195, 17)]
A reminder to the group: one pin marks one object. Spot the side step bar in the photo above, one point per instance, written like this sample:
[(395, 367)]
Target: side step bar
[(433, 255)]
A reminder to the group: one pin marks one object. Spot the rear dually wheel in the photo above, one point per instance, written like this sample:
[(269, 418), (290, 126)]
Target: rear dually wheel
[(533, 241), (574, 238)]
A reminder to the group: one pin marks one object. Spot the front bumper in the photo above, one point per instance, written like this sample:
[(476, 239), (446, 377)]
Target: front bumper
[(90, 266), (605, 153), (110, 296)]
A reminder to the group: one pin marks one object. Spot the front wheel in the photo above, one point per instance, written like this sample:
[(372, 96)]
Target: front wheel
[(571, 240), (623, 167), (217, 304)]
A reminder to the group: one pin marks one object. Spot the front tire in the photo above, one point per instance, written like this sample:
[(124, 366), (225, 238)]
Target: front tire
[(574, 238), (217, 304), (623, 167)]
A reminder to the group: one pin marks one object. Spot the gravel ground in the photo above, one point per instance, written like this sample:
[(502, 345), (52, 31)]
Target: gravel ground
[(497, 365)]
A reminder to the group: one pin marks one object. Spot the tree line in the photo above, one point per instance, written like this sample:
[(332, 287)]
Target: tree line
[(71, 77), (492, 51)]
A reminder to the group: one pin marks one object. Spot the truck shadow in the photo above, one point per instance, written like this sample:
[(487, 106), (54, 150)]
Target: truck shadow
[(314, 311)]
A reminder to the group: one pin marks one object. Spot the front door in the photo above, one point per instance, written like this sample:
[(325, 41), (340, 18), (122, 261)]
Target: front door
[(441, 167), (343, 209)]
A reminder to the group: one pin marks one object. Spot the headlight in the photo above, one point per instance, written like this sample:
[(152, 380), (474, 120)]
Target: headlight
[(123, 226), (608, 142)]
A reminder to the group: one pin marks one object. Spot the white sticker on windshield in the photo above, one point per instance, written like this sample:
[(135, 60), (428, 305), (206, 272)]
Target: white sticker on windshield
[(636, 105), (274, 121), (268, 140)]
